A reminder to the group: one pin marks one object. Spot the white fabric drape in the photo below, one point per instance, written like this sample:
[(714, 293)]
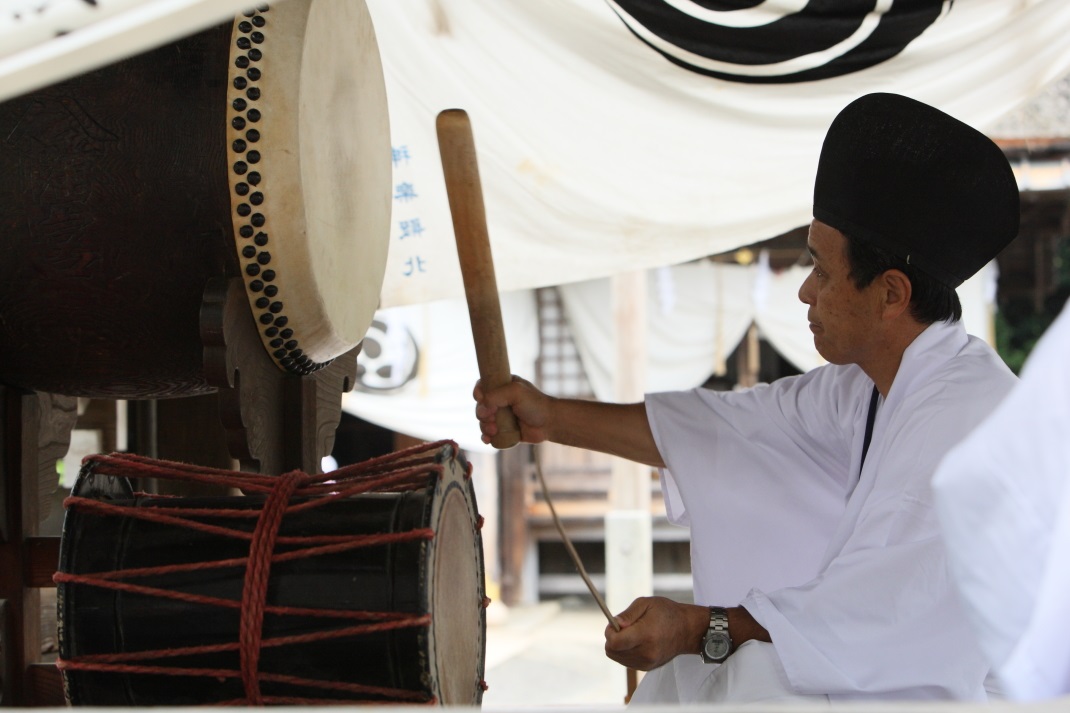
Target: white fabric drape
[(698, 313), (599, 156), (1004, 505)]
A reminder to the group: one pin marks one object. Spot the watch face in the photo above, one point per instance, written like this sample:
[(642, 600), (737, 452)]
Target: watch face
[(716, 647)]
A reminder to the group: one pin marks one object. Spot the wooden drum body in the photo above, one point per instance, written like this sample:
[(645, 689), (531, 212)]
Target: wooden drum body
[(257, 149), (427, 591)]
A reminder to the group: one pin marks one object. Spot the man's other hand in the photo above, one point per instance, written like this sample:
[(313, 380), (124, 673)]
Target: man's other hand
[(655, 630)]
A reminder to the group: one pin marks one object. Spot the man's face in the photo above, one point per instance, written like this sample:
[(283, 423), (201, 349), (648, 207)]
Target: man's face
[(843, 319)]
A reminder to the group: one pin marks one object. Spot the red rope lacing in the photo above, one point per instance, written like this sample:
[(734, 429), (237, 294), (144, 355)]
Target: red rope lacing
[(409, 469)]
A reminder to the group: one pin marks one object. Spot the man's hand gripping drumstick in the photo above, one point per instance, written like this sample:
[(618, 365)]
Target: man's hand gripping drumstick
[(465, 193)]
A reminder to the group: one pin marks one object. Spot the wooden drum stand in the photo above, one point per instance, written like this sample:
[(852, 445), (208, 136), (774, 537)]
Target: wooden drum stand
[(261, 379)]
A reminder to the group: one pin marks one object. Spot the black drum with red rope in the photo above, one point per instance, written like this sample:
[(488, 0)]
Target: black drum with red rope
[(375, 596)]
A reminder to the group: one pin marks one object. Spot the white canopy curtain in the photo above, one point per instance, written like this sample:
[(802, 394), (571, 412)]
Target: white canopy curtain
[(599, 155)]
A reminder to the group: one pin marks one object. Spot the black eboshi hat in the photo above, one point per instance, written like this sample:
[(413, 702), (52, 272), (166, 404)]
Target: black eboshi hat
[(917, 183)]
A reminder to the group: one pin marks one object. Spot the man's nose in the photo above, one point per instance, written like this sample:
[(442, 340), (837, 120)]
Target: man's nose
[(805, 293)]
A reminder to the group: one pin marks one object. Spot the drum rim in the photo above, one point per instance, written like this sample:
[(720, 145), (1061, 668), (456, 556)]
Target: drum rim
[(455, 482)]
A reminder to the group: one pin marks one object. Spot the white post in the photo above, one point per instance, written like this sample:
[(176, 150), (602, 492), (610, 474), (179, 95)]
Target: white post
[(629, 546), (485, 482)]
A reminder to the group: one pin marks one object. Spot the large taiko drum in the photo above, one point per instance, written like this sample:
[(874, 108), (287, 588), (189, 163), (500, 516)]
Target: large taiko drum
[(257, 149), (150, 614)]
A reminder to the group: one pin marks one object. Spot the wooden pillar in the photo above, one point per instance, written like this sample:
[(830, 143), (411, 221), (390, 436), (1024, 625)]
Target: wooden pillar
[(515, 467), (141, 428), (35, 432), (748, 358), (189, 430)]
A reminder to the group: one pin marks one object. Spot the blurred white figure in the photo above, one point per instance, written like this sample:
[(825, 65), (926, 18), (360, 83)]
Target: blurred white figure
[(1004, 507)]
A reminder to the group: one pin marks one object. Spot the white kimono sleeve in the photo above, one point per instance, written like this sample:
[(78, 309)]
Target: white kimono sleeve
[(763, 496)]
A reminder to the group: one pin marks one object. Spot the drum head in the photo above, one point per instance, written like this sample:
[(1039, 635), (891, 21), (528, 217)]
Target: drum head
[(459, 619), (310, 172)]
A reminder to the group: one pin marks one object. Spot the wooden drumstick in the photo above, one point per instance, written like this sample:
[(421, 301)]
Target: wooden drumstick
[(465, 194)]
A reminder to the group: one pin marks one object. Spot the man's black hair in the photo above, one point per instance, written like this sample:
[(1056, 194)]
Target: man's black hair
[(930, 300)]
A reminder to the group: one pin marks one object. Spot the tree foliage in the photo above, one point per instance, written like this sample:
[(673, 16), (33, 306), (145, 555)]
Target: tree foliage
[(1018, 323)]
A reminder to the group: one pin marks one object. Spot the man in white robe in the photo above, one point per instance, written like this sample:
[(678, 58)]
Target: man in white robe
[(819, 572), (849, 575), (1004, 504)]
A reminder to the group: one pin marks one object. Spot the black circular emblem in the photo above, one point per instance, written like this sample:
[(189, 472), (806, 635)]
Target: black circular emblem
[(778, 41), (388, 358)]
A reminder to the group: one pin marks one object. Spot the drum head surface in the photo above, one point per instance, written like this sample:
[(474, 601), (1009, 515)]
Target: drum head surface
[(457, 626), (310, 171)]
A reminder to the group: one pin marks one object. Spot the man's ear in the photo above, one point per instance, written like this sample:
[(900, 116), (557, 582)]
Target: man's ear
[(897, 293)]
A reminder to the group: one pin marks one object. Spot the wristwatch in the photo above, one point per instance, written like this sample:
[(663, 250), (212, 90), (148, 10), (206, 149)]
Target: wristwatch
[(717, 644)]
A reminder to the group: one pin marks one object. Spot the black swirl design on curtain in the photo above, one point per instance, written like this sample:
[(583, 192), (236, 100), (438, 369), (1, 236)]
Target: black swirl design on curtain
[(778, 41)]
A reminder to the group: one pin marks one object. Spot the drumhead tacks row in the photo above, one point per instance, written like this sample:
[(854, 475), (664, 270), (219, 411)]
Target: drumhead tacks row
[(309, 153)]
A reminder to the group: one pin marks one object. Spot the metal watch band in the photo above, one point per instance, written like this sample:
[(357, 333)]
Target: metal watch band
[(718, 620)]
